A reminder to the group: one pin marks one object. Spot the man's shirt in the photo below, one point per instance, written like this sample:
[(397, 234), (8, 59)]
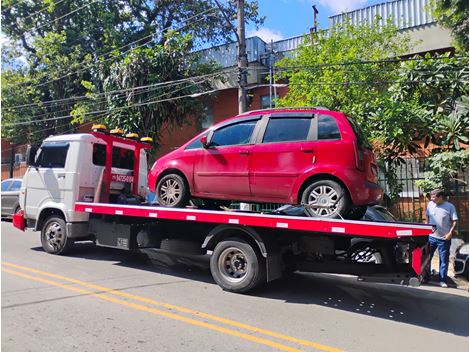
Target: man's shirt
[(442, 217)]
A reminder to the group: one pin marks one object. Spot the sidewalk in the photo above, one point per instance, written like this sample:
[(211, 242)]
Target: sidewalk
[(453, 281)]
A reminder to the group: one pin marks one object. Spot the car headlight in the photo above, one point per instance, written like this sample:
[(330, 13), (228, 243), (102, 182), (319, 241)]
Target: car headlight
[(463, 249)]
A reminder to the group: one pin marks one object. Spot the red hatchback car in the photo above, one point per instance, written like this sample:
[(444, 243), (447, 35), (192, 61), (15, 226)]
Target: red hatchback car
[(294, 156)]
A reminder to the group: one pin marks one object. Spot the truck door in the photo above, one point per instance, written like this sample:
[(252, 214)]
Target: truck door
[(47, 180)]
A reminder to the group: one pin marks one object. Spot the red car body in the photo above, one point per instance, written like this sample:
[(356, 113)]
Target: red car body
[(266, 166)]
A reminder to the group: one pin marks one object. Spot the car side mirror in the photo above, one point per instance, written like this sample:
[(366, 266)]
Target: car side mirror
[(31, 155), (203, 141)]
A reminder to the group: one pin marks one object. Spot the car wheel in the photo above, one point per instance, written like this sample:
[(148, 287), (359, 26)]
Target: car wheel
[(326, 198), (236, 266), (172, 191), (54, 238)]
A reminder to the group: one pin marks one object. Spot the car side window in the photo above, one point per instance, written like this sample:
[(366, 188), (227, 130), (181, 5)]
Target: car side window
[(196, 144), (290, 129), (53, 156), (236, 134), (5, 185), (328, 128), (15, 186)]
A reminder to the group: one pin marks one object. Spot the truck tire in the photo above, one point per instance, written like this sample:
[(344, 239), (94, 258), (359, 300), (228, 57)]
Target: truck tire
[(54, 238), (172, 191), (236, 266), (331, 197)]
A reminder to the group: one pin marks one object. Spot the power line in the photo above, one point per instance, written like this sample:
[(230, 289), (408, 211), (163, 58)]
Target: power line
[(96, 59), (59, 18), (43, 9), (80, 97), (103, 101), (193, 95)]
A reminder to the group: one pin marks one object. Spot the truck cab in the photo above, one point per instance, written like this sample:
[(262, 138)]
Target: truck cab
[(70, 168)]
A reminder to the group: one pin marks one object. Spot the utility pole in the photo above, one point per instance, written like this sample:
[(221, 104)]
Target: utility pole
[(242, 57)]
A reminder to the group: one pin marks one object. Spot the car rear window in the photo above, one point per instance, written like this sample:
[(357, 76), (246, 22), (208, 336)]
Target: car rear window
[(361, 140), (289, 129), (328, 128)]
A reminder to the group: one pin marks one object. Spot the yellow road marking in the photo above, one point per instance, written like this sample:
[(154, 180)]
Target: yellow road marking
[(157, 312), (181, 309)]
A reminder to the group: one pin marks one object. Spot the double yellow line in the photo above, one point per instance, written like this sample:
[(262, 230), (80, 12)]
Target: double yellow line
[(111, 295)]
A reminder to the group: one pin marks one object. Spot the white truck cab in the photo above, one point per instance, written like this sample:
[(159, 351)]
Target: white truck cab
[(69, 168)]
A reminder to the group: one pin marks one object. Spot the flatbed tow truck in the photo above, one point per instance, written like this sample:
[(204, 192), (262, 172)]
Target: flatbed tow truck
[(83, 187)]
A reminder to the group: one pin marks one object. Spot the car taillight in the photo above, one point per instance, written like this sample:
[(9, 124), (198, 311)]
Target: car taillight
[(359, 154)]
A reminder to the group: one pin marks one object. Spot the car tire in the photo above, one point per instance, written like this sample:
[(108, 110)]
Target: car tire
[(236, 266), (326, 193), (54, 238), (172, 191)]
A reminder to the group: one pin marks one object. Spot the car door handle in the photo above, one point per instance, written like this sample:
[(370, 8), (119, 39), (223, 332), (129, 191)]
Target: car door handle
[(245, 152), (60, 175), (306, 149)]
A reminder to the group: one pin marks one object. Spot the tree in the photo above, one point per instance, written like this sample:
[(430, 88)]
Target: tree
[(453, 14), (71, 48)]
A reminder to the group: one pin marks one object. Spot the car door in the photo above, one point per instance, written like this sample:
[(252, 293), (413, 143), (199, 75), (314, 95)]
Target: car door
[(5, 187), (283, 152), (10, 197), (222, 168), (47, 179)]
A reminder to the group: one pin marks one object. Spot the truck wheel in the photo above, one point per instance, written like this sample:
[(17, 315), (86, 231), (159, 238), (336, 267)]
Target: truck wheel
[(327, 199), (172, 191), (54, 237), (236, 266)]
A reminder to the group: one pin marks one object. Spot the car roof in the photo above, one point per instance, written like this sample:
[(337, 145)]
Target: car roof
[(12, 179)]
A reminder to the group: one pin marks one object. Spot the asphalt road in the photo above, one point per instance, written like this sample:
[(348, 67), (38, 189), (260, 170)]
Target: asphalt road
[(99, 299)]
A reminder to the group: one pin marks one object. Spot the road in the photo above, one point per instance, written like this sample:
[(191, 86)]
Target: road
[(100, 299)]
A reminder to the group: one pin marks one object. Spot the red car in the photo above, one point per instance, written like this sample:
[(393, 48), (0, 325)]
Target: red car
[(294, 156)]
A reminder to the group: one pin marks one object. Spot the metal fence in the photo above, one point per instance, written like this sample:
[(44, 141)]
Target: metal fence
[(411, 204)]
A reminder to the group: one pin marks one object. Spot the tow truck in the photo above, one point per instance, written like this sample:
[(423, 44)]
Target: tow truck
[(92, 187)]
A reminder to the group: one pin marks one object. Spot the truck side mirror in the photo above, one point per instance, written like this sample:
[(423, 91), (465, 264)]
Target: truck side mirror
[(31, 155), (203, 141)]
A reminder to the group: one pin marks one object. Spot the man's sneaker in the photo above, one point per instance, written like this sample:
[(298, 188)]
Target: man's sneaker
[(443, 284)]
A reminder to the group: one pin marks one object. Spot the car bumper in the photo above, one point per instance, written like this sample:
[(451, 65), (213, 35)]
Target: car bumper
[(460, 263), (362, 192)]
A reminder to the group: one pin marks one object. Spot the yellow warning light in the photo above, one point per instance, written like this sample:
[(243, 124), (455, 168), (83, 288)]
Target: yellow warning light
[(117, 132), (99, 128), (133, 136), (146, 140)]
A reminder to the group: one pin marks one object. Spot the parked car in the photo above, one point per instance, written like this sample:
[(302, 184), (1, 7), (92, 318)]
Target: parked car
[(10, 193), (461, 261), (304, 156)]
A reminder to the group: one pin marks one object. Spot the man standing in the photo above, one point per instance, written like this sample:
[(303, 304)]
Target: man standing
[(442, 214)]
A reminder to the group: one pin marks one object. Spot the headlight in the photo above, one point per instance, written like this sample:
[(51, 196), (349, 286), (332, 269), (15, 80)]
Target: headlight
[(463, 249)]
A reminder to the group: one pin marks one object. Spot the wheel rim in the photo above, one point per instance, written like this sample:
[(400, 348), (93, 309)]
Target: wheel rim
[(170, 192), (55, 237), (323, 200), (233, 265)]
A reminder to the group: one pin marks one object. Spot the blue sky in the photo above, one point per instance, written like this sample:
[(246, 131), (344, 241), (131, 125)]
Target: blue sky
[(289, 18)]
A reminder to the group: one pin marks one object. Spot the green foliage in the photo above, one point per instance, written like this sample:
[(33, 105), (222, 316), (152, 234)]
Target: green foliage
[(325, 70), (453, 14), (443, 170), (399, 104), (73, 49)]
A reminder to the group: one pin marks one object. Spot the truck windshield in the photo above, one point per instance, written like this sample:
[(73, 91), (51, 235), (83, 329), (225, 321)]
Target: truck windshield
[(361, 139)]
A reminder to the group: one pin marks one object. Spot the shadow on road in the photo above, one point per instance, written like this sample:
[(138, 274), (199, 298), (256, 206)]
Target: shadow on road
[(437, 310)]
